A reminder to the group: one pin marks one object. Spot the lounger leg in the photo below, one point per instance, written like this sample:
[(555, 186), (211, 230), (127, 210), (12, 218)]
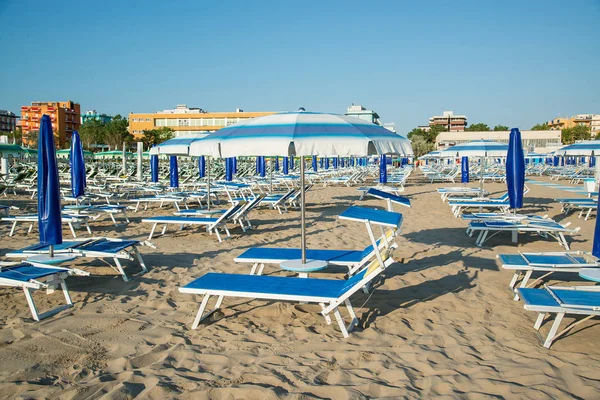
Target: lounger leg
[(152, 231), (164, 229), (515, 236), (218, 235), (31, 304), (340, 322), (354, 320), (513, 281), (253, 270), (538, 321), (87, 226), (523, 284), (140, 259), (260, 269), (120, 269), (552, 333), (125, 215), (113, 219), (72, 229), (65, 290), (199, 318), (30, 229), (12, 230)]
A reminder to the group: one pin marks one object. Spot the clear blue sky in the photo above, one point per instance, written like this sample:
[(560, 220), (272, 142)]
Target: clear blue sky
[(510, 62)]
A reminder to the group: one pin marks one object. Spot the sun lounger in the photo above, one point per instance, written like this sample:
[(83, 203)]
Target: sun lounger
[(161, 200), (543, 227), (32, 276), (450, 192), (211, 224), (328, 293), (584, 205), (32, 219), (389, 198), (103, 248), (525, 264), (562, 301), (354, 260), (278, 201)]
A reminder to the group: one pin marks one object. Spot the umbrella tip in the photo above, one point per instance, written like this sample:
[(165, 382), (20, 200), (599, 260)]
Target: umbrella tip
[(301, 109)]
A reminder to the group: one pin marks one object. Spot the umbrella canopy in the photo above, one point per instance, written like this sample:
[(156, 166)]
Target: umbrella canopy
[(179, 146), (464, 168), (585, 148), (301, 134), (77, 166), (477, 148), (113, 154), (49, 213), (29, 152), (430, 155), (154, 168), (10, 150), (66, 153), (515, 169), (173, 172)]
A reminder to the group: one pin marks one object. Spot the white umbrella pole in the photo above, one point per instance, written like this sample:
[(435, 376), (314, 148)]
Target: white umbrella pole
[(271, 175), (302, 211), (208, 185), (124, 159)]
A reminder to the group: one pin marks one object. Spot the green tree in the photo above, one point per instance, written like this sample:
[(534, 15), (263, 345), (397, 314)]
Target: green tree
[(116, 132), (540, 127), (576, 133), (92, 132), (31, 138), (430, 135), (420, 145), (501, 128), (156, 136), (16, 136), (479, 127)]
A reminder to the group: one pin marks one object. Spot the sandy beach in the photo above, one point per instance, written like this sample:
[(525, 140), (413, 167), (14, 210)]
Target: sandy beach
[(442, 322)]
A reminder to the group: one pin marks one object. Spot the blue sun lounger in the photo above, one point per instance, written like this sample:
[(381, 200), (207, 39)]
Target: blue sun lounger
[(211, 224), (100, 247), (562, 301), (389, 198), (32, 276), (525, 264), (545, 228), (328, 293)]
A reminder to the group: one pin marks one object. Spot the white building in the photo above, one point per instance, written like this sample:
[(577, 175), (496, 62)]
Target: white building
[(538, 141)]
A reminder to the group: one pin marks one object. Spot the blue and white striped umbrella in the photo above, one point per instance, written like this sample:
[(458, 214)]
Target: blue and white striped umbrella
[(302, 134), (477, 148), (431, 155), (179, 146), (585, 148)]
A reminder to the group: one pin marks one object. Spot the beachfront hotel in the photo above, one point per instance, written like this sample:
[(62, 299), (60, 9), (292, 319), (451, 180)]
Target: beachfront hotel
[(538, 141), (186, 121), (451, 122), (591, 120), (8, 121), (65, 117)]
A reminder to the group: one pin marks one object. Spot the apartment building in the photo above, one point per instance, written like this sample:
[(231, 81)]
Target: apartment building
[(95, 115), (591, 120), (538, 141), (450, 122), (65, 117), (8, 121), (186, 121)]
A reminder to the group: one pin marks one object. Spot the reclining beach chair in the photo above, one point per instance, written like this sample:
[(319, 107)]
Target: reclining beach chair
[(160, 200), (574, 300), (525, 264), (277, 201), (32, 276), (330, 294), (354, 260), (543, 227), (32, 219), (211, 224), (389, 198), (96, 248), (586, 205), (458, 191)]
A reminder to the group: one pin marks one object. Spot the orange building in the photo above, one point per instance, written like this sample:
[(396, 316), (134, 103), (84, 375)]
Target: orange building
[(187, 121), (65, 117)]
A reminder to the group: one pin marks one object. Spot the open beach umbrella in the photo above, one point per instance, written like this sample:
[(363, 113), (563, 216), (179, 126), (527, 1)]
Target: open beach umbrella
[(179, 146), (302, 134), (27, 152), (464, 169), (77, 166), (515, 169), (585, 148), (10, 150), (173, 172), (154, 167), (49, 210)]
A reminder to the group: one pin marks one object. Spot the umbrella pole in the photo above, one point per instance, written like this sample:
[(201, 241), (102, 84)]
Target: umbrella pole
[(51, 250), (271, 175), (302, 211), (208, 185)]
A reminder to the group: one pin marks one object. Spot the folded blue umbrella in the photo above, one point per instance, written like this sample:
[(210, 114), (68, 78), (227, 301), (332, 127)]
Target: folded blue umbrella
[(201, 167), (49, 211), (382, 169), (77, 166), (173, 172)]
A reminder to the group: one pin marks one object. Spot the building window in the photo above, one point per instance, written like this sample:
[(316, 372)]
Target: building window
[(183, 122)]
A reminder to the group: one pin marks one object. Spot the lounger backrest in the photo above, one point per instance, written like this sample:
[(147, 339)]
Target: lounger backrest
[(232, 211), (374, 266), (389, 234)]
